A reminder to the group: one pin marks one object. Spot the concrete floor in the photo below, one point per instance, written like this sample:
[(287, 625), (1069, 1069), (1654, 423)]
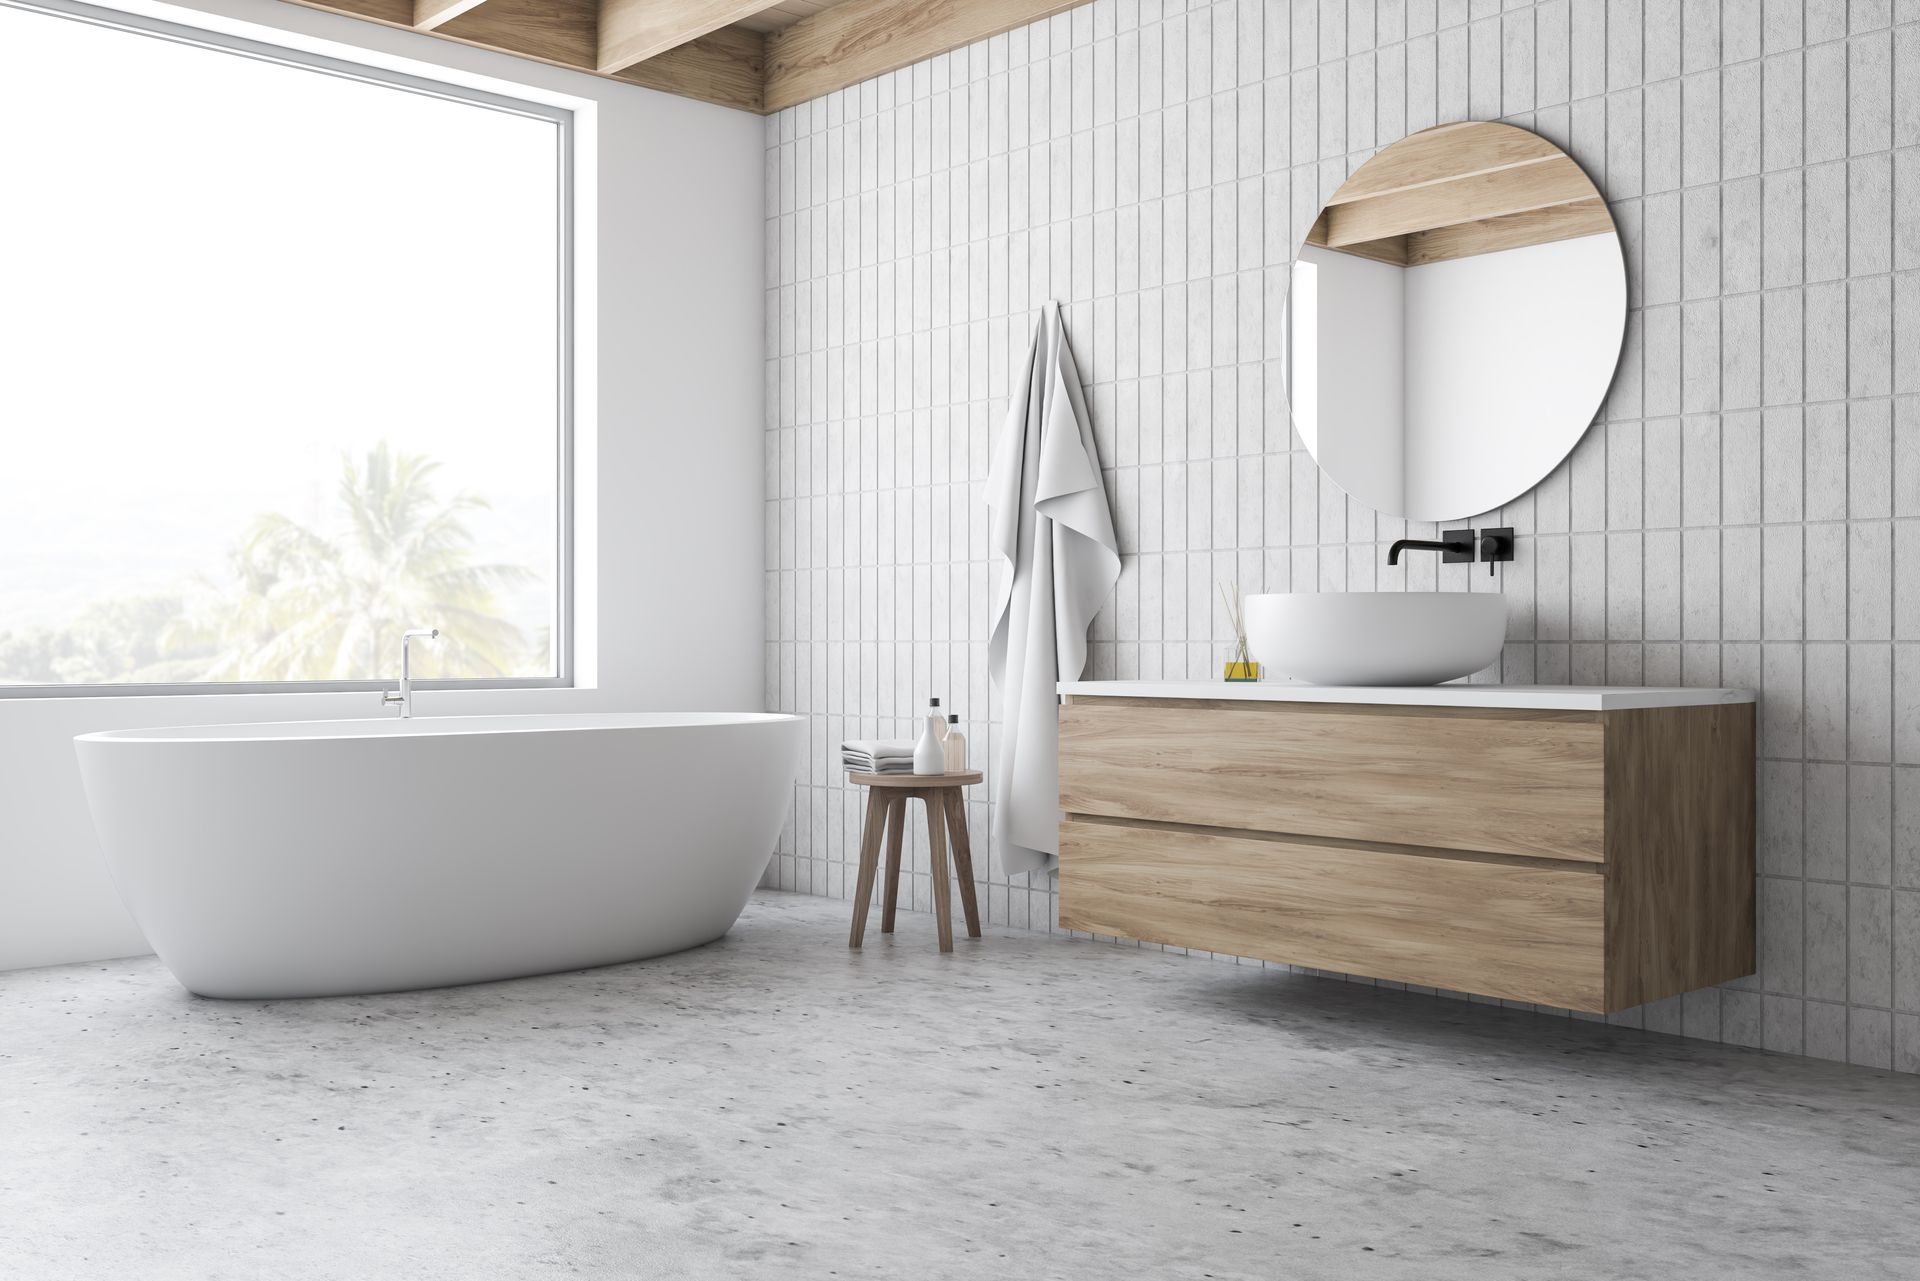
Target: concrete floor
[(1028, 1107)]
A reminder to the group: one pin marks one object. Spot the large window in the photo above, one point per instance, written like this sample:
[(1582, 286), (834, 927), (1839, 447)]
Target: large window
[(283, 366)]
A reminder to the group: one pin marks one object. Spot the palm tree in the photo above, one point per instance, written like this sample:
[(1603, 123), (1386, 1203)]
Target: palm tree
[(305, 606), (116, 640)]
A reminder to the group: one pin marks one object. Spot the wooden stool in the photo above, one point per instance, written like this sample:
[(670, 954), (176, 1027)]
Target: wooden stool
[(887, 797)]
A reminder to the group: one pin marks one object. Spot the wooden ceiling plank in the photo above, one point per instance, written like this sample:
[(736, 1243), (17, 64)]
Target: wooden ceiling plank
[(1442, 154), (1515, 231), (1469, 199), (1393, 250), (860, 39), (634, 30), (389, 13), (429, 14), (727, 66), (557, 31)]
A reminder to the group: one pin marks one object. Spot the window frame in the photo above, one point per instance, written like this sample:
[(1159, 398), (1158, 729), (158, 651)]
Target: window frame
[(562, 118)]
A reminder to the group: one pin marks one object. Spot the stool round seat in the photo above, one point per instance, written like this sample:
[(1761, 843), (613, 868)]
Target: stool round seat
[(887, 797), (965, 778)]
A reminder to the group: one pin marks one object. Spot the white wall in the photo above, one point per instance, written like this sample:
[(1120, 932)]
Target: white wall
[(1358, 342), (1746, 512), (669, 484), (1406, 386), (1561, 304)]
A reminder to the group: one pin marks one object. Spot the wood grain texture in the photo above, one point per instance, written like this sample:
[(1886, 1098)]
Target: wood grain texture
[(896, 833), (1443, 153), (860, 39), (956, 808), (428, 14), (719, 51), (1536, 185), (1507, 783), (937, 864), (1515, 231), (888, 796), (1680, 850), (1517, 932), (869, 856), (915, 782), (726, 67), (778, 17), (632, 31), (557, 31), (1325, 873), (1388, 249), (392, 13)]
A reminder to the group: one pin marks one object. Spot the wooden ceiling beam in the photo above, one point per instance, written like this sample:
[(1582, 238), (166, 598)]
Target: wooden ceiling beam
[(557, 31), (1470, 198), (388, 13), (725, 68), (728, 66), (861, 39), (429, 14), (1442, 154), (1515, 231), (691, 47), (1388, 249), (632, 31)]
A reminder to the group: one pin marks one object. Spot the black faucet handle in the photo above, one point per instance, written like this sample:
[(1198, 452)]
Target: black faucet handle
[(1496, 545)]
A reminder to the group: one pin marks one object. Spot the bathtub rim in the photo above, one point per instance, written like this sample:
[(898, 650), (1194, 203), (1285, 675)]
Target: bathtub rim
[(478, 725)]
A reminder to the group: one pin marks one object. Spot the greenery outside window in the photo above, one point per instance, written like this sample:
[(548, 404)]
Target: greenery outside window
[(286, 367)]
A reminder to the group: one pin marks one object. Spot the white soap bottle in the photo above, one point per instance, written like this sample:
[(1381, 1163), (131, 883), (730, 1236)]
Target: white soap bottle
[(956, 746), (930, 753)]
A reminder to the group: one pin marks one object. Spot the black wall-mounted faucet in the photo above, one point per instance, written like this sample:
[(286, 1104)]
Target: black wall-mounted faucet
[(1456, 546)]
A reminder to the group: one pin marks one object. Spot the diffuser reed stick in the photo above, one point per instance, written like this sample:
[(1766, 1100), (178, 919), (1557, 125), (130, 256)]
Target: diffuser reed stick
[(1241, 667)]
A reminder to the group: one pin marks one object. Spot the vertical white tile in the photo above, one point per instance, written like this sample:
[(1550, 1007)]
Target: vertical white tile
[(1746, 512)]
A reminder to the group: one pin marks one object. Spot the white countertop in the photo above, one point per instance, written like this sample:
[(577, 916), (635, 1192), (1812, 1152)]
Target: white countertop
[(1566, 698)]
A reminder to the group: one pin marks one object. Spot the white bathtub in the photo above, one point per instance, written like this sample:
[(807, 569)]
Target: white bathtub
[(339, 857)]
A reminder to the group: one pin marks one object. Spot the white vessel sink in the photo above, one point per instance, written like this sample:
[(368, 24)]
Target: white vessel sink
[(1376, 638)]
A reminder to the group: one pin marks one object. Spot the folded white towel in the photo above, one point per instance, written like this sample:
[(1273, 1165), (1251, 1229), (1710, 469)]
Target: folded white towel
[(877, 767), (877, 756), (877, 748)]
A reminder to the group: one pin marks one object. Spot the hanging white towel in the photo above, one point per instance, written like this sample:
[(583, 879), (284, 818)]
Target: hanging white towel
[(1050, 522)]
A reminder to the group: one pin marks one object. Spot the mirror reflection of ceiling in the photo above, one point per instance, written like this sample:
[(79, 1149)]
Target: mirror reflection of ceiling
[(1454, 321)]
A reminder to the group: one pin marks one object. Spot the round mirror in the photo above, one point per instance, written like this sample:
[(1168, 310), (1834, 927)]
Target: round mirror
[(1454, 320)]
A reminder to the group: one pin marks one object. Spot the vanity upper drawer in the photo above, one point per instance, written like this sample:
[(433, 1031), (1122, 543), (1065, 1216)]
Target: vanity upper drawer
[(1527, 783), (1525, 932)]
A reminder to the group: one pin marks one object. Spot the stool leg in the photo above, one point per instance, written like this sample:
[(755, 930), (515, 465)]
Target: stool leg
[(869, 856), (896, 832), (963, 859), (937, 860)]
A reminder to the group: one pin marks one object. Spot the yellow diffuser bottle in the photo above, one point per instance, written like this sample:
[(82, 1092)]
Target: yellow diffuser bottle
[(1241, 666)]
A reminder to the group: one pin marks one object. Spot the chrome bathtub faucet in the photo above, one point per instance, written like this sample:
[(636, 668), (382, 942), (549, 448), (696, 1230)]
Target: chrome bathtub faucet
[(404, 699)]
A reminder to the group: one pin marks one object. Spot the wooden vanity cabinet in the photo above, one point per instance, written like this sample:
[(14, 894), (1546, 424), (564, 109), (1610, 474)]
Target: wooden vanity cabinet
[(1592, 860)]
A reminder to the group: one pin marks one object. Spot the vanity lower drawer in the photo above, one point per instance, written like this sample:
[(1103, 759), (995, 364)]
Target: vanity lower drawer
[(1526, 783), (1525, 932)]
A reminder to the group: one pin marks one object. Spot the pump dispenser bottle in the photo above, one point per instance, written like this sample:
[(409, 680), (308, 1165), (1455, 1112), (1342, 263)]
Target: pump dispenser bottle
[(956, 746), (930, 753)]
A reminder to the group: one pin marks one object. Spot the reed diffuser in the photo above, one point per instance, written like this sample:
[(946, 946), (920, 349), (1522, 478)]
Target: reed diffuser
[(1241, 666)]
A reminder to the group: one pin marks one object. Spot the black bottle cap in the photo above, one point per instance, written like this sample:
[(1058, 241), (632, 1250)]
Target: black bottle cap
[(954, 719), (933, 702)]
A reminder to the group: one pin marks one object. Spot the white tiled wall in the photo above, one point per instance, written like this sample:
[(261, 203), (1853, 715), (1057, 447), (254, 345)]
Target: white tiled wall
[(1746, 512)]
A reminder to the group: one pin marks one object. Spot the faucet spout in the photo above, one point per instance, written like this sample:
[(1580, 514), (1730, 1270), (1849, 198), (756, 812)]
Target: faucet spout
[(404, 698), (1418, 544), (1453, 545)]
